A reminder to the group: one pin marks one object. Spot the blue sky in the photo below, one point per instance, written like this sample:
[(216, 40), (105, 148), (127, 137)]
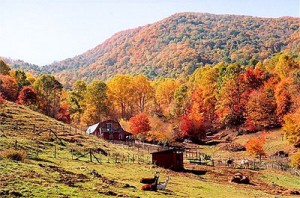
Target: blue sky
[(43, 31)]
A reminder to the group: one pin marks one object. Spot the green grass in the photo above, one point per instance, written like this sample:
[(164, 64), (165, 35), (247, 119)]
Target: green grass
[(284, 180)]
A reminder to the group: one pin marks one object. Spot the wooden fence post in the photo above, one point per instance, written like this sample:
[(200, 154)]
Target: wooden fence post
[(37, 149), (16, 144), (55, 151), (91, 157), (100, 156)]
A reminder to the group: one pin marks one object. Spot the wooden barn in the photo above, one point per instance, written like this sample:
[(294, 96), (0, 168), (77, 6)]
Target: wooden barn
[(109, 130), (171, 159)]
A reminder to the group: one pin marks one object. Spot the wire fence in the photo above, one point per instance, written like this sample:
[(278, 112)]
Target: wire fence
[(142, 150), (277, 163), (56, 135)]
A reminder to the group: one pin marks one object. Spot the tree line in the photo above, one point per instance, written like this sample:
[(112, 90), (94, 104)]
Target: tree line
[(214, 97)]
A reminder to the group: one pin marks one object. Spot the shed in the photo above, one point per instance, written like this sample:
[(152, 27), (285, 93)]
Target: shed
[(171, 159)]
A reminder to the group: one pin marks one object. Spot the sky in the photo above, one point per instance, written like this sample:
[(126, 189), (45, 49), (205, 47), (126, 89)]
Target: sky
[(44, 31)]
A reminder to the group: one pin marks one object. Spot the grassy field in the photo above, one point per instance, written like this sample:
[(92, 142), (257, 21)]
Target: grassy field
[(43, 175)]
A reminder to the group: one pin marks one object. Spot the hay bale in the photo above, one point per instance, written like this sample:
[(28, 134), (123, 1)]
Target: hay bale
[(239, 178)]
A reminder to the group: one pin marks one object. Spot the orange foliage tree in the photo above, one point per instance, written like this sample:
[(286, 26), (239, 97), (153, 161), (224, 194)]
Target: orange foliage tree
[(261, 107), (139, 124), (255, 146), (285, 94)]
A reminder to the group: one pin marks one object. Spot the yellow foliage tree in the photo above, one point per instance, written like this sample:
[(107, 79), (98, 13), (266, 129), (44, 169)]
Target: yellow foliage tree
[(96, 102), (291, 127), (295, 162), (121, 94), (164, 93), (143, 93)]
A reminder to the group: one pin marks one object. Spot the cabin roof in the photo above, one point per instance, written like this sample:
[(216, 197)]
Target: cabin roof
[(92, 128)]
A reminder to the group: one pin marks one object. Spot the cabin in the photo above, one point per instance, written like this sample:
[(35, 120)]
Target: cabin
[(170, 159), (109, 130)]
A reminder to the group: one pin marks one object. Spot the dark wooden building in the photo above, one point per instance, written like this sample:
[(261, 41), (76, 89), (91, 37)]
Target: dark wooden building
[(109, 130), (171, 159)]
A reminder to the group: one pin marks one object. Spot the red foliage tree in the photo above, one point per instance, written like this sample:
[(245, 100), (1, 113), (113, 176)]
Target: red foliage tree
[(254, 78), (194, 125), (8, 87), (63, 114), (139, 124), (27, 96)]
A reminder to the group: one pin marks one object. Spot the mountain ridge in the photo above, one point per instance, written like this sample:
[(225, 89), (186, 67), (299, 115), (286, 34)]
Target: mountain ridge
[(179, 44)]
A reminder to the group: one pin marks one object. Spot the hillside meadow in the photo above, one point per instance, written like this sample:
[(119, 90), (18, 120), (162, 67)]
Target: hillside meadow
[(41, 174)]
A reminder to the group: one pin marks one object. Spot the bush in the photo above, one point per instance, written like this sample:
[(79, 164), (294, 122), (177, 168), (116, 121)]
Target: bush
[(17, 155), (296, 160)]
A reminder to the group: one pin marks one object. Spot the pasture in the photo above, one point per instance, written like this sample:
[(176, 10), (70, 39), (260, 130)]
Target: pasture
[(50, 170)]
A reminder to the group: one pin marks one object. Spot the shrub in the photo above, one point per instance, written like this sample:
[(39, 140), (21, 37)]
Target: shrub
[(17, 155), (296, 160)]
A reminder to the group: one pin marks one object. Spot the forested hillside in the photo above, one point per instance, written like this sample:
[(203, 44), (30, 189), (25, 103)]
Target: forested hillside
[(22, 65), (179, 44)]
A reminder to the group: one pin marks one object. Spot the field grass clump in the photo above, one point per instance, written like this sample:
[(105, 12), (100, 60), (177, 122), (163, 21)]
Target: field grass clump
[(16, 155)]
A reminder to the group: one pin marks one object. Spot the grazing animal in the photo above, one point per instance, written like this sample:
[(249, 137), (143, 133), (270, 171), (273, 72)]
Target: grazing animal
[(230, 162), (245, 163), (163, 185), (281, 154), (151, 187), (149, 180)]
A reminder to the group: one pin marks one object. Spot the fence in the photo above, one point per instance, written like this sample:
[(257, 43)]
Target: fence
[(281, 164), (140, 146), (89, 154), (143, 150)]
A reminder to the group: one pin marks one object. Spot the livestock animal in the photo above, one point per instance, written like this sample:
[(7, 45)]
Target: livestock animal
[(245, 163), (281, 154), (163, 185), (149, 180), (151, 187), (230, 162)]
